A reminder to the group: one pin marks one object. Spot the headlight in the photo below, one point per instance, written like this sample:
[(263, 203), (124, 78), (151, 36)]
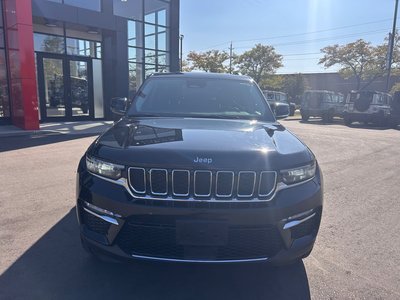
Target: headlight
[(103, 168), (299, 174)]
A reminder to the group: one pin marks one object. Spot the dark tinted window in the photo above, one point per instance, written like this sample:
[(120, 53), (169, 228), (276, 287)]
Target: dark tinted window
[(198, 97)]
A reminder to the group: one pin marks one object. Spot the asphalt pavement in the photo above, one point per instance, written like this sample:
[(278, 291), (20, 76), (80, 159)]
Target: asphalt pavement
[(356, 256)]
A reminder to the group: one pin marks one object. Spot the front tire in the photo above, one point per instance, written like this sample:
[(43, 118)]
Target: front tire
[(347, 120), (305, 117)]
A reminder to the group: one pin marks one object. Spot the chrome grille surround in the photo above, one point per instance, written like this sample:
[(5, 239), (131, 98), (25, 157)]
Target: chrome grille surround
[(241, 173), (144, 180), (212, 194), (210, 186), (152, 183), (173, 183), (217, 182)]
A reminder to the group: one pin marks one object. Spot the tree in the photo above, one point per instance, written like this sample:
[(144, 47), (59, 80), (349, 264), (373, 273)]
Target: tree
[(210, 61), (259, 62), (294, 85), (359, 59), (272, 83)]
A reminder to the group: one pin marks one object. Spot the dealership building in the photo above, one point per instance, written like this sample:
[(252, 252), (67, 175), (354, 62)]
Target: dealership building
[(63, 60)]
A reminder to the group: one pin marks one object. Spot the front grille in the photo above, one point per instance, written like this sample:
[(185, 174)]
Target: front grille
[(160, 241), (94, 223), (207, 185)]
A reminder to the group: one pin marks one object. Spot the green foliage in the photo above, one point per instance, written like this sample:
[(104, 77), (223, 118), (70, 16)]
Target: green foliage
[(272, 83), (294, 85), (361, 60), (259, 62), (210, 61), (395, 88)]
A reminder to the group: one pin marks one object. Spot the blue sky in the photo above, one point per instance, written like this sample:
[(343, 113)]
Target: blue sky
[(212, 24)]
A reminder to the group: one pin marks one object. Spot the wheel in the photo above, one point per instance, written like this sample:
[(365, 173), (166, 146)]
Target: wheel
[(292, 110), (380, 120), (305, 117), (347, 121), (327, 118)]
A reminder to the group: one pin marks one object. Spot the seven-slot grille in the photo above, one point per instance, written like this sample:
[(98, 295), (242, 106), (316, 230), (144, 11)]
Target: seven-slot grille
[(201, 184)]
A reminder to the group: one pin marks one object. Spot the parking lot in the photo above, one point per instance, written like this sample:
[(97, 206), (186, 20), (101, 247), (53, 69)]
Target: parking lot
[(356, 255)]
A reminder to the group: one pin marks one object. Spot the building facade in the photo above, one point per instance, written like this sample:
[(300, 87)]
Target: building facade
[(63, 60)]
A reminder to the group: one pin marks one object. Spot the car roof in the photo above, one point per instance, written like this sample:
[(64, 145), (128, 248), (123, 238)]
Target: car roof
[(203, 75), (320, 91), (277, 92), (372, 92)]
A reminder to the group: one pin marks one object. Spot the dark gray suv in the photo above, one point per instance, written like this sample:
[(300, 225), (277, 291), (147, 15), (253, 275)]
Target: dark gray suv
[(199, 170)]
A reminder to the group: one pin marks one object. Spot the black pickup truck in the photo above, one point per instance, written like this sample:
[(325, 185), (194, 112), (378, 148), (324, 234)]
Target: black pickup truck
[(198, 170)]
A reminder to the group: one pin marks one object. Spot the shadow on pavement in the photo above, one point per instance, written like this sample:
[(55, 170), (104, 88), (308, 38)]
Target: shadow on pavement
[(56, 267), (20, 142), (318, 121)]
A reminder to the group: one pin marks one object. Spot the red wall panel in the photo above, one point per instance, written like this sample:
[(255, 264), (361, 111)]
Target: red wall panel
[(21, 63)]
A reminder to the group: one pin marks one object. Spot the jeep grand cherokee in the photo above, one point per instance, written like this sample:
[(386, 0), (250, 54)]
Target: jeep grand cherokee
[(199, 170)]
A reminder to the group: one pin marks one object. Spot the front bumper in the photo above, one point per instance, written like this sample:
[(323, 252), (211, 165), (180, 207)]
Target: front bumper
[(114, 223), (365, 116)]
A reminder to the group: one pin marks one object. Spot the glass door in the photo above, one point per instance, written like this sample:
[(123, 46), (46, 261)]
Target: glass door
[(65, 88), (52, 87), (79, 89)]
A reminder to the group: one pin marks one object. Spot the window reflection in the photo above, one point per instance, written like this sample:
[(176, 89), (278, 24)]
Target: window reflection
[(83, 47), (49, 43), (149, 53), (4, 98)]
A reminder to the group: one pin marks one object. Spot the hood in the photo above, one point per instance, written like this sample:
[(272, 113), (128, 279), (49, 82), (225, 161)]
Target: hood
[(201, 144)]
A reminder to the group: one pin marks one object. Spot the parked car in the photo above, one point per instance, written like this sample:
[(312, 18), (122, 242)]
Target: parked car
[(323, 104), (394, 118), (199, 170), (279, 104), (367, 107)]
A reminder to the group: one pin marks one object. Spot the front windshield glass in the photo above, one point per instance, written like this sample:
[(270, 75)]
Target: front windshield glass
[(201, 97)]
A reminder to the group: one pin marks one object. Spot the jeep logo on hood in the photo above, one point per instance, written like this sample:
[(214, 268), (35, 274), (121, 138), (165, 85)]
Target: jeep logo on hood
[(204, 160)]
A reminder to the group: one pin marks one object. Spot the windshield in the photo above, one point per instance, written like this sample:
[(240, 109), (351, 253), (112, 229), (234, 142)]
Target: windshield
[(201, 97), (365, 96)]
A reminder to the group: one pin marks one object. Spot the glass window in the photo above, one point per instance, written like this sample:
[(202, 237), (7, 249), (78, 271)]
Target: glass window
[(150, 69), (135, 54), (131, 9), (4, 99), (150, 18), (156, 12), (88, 4), (149, 29), (162, 17), (49, 43), (150, 41), (135, 35), (135, 77), (162, 41), (83, 47), (150, 57), (98, 89)]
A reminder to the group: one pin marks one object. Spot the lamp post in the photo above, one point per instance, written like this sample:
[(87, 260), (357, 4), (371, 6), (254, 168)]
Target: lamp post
[(181, 56)]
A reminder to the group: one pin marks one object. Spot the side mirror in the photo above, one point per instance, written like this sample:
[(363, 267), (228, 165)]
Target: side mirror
[(119, 105)]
